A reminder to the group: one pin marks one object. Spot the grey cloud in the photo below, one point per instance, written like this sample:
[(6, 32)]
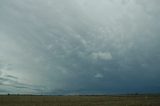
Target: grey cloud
[(75, 46), (12, 77), (11, 86)]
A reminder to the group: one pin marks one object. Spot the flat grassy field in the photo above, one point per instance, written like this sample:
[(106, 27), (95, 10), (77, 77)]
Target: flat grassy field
[(139, 100)]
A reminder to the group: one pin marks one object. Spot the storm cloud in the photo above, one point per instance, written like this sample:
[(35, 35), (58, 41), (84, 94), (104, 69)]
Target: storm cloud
[(79, 46)]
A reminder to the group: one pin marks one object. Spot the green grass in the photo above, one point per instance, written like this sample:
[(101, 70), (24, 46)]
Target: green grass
[(139, 100)]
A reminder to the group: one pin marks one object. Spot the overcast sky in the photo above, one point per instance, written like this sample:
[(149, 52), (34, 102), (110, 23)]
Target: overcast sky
[(79, 46)]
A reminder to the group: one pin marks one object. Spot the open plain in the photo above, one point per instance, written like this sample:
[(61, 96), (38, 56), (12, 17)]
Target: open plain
[(128, 100)]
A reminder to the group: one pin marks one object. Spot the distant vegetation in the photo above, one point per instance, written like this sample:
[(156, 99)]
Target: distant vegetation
[(32, 100)]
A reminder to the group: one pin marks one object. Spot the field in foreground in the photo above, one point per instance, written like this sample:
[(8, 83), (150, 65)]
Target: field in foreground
[(139, 100)]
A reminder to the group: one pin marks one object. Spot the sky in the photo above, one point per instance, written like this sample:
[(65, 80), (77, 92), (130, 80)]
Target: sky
[(79, 46)]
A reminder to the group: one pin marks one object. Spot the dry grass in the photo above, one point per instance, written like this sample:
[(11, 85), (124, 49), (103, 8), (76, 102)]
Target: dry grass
[(140, 100)]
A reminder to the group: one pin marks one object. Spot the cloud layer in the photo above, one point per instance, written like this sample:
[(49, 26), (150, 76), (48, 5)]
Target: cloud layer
[(73, 46)]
